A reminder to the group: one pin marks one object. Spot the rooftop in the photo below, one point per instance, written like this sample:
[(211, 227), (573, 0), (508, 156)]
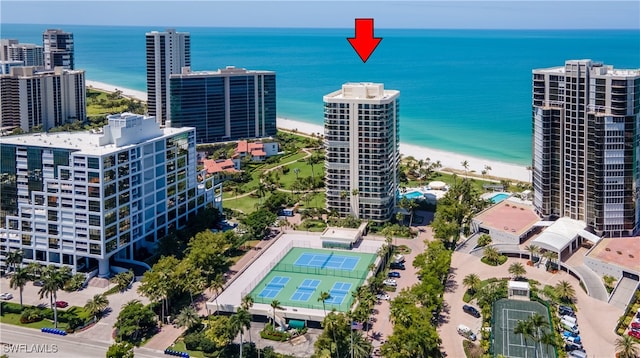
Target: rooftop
[(228, 71), (628, 248), (362, 91), (87, 142), (510, 216)]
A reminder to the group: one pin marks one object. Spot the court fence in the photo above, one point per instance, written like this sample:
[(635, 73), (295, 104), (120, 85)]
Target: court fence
[(319, 271), (314, 304)]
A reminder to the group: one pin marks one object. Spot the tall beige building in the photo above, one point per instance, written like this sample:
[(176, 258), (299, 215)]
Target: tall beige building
[(32, 99), (362, 150)]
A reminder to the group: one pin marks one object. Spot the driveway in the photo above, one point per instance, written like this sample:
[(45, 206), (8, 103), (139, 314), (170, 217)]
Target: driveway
[(597, 319)]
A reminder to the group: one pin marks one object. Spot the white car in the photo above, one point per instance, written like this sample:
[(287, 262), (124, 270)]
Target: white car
[(390, 282), (6, 296), (383, 296)]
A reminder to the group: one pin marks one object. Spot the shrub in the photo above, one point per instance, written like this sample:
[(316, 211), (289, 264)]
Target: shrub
[(484, 240), (207, 345), (31, 314), (192, 341)]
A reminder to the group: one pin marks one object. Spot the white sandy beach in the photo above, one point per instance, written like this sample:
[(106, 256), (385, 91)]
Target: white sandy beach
[(127, 92), (447, 159)]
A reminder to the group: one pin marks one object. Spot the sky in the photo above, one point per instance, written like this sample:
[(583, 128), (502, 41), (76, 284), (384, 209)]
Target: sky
[(470, 14)]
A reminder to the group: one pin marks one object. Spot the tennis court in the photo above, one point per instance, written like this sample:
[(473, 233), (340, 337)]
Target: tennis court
[(303, 273), (330, 261), (506, 314)]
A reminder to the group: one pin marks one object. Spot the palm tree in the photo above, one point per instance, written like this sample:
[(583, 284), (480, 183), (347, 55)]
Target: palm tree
[(525, 329), (492, 254), (465, 165), (517, 270), (53, 279), (217, 284), (14, 259), (550, 293), (96, 305), (238, 322), (627, 347), (549, 340), (188, 317), (19, 279), (331, 324), (533, 251), (565, 291), (297, 172), (324, 295), (551, 256), (275, 304), (471, 282), (538, 324), (247, 302), (360, 347)]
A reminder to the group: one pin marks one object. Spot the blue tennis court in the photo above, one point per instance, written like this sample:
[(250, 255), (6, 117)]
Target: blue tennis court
[(305, 290), (273, 288), (327, 261), (338, 292)]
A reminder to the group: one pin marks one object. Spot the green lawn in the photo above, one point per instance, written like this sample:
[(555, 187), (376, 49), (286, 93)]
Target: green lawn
[(246, 204), (305, 171), (14, 318), (181, 347), (448, 178), (95, 109), (317, 201), (257, 170)]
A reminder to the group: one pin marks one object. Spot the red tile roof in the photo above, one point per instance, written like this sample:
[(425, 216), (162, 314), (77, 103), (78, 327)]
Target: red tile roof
[(217, 166)]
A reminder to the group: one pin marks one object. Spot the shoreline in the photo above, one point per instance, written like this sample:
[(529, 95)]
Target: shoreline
[(449, 160)]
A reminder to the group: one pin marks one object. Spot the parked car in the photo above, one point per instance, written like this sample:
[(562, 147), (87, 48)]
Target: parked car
[(578, 354), (570, 346), (38, 283), (466, 332), (398, 259), (471, 310), (383, 296), (635, 334), (62, 304), (390, 282), (397, 266), (635, 325), (569, 334), (394, 274), (572, 339), (566, 311), (6, 296)]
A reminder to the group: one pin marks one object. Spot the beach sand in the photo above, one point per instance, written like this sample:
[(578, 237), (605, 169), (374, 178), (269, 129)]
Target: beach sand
[(447, 159), (126, 92)]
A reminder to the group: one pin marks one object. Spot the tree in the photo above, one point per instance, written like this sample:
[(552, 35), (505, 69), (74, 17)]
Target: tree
[(491, 254), (550, 294), (465, 165), (19, 279), (123, 280), (533, 251), (14, 259), (324, 295), (525, 329), (188, 317), (517, 270), (565, 291), (258, 223), (96, 305), (484, 240), (53, 279), (120, 350), (609, 280), (238, 322), (551, 256), (538, 325), (206, 250), (627, 347), (247, 302), (472, 282), (275, 305), (217, 284), (135, 322)]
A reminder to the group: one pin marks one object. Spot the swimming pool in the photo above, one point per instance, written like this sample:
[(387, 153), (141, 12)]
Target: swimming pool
[(499, 197), (412, 195)]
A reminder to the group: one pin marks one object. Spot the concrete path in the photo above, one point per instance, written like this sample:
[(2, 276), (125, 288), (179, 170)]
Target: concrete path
[(623, 293), (596, 318), (592, 282)]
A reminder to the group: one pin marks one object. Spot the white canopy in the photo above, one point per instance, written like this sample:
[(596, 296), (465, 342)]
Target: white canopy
[(559, 235), (437, 185)]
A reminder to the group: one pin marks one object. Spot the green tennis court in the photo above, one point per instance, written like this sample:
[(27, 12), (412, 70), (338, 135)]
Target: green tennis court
[(506, 314), (302, 274)]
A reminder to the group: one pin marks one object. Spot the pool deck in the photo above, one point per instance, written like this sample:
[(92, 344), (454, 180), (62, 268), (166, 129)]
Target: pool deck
[(229, 300)]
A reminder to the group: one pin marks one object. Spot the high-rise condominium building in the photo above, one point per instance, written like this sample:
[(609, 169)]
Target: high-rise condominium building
[(28, 54), (361, 138), (167, 53), (42, 99), (586, 120), (77, 199), (58, 49), (227, 104)]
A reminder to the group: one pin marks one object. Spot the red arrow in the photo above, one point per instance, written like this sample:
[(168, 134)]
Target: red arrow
[(364, 43)]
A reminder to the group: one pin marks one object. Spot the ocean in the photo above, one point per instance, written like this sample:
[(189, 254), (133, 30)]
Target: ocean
[(462, 91)]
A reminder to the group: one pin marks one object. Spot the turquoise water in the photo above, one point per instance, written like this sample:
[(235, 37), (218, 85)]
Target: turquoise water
[(464, 91), (499, 197), (412, 195)]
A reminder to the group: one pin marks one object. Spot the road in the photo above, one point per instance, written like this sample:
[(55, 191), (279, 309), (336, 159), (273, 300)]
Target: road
[(18, 342)]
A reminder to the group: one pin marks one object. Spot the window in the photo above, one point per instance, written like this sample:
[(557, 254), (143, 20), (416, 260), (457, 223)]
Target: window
[(93, 163)]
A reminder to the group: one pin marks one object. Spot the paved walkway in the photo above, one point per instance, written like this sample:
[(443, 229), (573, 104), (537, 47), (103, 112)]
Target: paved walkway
[(596, 318), (623, 293), (592, 282)]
